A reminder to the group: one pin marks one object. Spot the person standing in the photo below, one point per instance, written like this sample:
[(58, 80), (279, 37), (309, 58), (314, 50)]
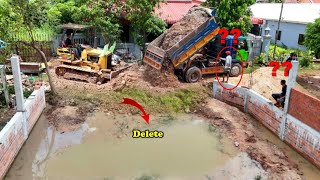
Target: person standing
[(227, 66)]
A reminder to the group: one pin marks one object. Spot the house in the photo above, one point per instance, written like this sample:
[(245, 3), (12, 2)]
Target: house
[(295, 17)]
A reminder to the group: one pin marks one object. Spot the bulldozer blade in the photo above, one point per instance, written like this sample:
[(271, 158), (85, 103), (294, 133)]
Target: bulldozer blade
[(114, 74)]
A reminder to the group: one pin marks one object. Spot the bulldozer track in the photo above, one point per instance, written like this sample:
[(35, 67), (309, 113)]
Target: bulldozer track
[(78, 73)]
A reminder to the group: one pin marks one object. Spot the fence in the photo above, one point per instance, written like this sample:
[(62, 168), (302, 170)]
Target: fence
[(297, 124), (42, 40), (17, 130)]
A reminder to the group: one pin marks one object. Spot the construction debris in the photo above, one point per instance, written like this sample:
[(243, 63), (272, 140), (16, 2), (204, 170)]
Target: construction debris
[(186, 25)]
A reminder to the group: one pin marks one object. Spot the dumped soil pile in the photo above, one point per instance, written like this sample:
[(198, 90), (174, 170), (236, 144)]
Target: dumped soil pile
[(158, 79), (143, 77), (186, 25), (262, 81)]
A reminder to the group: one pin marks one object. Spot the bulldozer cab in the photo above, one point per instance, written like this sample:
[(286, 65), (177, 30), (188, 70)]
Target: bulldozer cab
[(75, 51)]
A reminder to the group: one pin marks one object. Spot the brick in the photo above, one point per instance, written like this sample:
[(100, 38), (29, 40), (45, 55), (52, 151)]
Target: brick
[(305, 108)]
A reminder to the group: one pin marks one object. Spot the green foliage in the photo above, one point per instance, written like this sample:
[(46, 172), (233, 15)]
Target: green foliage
[(312, 37), (171, 102), (233, 13), (104, 15), (305, 60), (143, 20)]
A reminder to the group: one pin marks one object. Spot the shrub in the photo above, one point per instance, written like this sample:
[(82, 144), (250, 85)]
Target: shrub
[(305, 60)]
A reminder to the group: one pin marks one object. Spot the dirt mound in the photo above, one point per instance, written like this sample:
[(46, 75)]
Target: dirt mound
[(135, 76), (159, 79), (186, 25), (262, 81)]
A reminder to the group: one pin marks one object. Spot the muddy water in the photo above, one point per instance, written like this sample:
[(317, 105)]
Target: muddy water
[(310, 172), (104, 149)]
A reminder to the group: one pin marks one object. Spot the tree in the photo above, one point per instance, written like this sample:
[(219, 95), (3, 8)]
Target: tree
[(233, 13), (141, 15), (104, 15), (20, 15), (312, 37)]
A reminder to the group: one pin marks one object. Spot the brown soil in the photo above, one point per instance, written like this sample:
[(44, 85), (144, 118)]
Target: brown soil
[(5, 115), (143, 77), (238, 126), (185, 26), (311, 83), (265, 84), (67, 115)]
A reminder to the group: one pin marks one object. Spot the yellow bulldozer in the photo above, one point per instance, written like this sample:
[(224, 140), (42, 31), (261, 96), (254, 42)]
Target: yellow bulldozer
[(84, 62)]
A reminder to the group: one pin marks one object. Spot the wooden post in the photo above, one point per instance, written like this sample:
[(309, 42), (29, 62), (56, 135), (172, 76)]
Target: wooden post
[(4, 84)]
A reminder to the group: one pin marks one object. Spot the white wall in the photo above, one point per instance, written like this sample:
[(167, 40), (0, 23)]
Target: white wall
[(289, 33)]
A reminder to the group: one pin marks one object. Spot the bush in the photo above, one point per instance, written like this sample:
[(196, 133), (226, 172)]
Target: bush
[(306, 60)]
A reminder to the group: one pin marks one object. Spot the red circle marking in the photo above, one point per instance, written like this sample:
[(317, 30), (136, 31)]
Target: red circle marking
[(218, 56)]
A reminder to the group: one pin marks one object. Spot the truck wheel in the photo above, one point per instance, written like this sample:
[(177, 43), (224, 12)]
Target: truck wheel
[(236, 70), (193, 75)]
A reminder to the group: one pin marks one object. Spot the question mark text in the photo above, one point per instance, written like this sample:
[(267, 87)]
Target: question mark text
[(276, 66)]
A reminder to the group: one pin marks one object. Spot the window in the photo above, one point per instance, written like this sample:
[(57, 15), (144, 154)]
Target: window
[(301, 39), (278, 35)]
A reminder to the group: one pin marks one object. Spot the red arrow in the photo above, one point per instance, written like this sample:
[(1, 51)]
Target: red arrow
[(131, 102)]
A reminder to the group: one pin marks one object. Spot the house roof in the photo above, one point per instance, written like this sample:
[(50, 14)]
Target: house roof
[(295, 13), (173, 10)]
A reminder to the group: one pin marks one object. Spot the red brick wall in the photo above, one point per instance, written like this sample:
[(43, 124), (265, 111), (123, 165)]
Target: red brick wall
[(233, 97), (9, 149), (303, 140), (301, 131), (265, 114), (305, 108)]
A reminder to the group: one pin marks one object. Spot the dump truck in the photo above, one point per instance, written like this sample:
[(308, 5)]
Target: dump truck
[(188, 58)]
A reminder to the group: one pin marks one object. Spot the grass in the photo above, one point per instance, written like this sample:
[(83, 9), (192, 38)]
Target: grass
[(168, 102), (251, 69), (314, 68)]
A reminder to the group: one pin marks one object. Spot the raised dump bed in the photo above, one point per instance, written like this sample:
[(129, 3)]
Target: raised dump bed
[(187, 45)]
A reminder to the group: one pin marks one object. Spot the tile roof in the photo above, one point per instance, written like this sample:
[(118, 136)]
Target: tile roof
[(173, 11)]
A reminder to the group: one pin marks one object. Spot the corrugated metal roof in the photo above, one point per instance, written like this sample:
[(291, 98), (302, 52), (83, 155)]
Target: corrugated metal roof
[(173, 11), (296, 13)]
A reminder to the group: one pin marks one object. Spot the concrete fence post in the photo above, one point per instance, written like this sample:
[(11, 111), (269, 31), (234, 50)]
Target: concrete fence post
[(18, 89), (17, 83), (214, 88), (245, 103), (4, 84), (290, 84)]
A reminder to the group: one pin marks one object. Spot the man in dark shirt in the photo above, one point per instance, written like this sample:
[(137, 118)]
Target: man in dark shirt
[(68, 43), (280, 98)]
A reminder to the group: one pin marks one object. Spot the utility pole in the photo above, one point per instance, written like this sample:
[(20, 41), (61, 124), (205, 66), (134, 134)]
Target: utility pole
[(277, 32)]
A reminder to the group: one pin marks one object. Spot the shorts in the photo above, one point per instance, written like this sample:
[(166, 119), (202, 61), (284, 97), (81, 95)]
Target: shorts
[(226, 70)]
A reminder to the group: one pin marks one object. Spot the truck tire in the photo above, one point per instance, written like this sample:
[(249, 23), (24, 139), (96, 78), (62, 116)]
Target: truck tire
[(193, 75), (236, 70)]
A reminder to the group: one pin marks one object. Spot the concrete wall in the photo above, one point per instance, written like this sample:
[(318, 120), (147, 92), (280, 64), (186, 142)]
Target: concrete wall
[(289, 33), (16, 131), (304, 138)]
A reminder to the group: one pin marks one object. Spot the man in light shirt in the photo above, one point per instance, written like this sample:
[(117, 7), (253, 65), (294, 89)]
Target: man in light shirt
[(227, 66)]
